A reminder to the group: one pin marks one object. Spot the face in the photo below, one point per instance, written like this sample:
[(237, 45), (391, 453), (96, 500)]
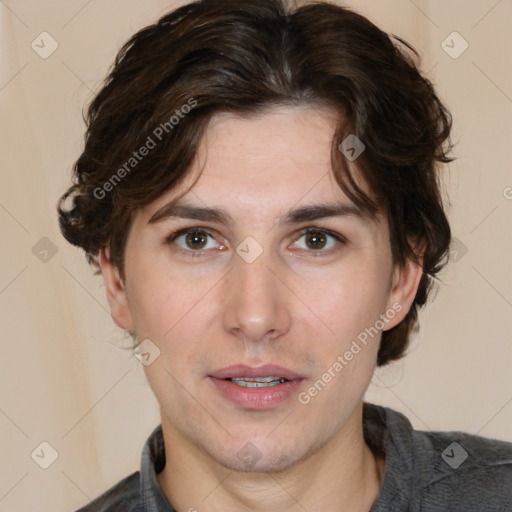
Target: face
[(265, 273)]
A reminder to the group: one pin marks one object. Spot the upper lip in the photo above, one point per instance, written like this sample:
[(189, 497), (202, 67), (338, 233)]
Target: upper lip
[(267, 370)]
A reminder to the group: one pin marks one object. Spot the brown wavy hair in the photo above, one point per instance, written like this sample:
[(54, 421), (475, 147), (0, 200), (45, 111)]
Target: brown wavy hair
[(244, 57)]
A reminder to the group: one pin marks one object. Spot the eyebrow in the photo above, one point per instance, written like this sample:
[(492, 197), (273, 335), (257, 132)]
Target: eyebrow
[(307, 213)]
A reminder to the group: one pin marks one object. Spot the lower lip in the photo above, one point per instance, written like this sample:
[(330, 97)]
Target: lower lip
[(256, 398)]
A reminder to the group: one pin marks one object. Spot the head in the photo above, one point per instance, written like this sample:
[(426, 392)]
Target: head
[(252, 111)]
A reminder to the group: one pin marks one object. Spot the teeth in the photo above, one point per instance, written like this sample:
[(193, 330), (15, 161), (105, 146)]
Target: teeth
[(257, 379), (257, 382)]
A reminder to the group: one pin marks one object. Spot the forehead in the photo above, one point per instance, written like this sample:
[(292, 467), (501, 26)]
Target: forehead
[(268, 149), (262, 164), (272, 132)]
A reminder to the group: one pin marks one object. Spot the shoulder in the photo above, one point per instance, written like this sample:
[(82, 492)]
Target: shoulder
[(436, 471), (467, 469), (122, 497)]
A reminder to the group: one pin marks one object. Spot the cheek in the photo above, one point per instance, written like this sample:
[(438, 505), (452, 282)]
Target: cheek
[(163, 306), (177, 313), (175, 318), (352, 299), (347, 355)]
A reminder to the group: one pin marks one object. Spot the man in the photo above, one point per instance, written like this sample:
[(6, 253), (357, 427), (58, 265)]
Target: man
[(259, 188)]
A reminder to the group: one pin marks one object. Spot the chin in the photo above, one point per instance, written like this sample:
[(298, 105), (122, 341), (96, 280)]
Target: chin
[(260, 456), (265, 464)]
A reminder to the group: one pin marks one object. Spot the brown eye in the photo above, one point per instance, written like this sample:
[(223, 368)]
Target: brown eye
[(319, 242), (315, 240), (193, 240), (196, 240)]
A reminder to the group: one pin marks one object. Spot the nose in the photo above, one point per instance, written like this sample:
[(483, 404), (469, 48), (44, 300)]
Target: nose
[(257, 301)]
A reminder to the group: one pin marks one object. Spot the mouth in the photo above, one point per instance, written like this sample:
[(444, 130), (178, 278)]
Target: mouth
[(268, 374), (256, 388)]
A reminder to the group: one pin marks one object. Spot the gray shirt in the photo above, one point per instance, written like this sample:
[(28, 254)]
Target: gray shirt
[(425, 471)]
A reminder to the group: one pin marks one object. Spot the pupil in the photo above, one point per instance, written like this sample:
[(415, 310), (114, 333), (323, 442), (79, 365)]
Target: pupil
[(315, 240), (196, 240)]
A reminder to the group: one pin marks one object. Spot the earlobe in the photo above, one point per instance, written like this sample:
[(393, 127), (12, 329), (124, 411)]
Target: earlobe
[(406, 280), (116, 293)]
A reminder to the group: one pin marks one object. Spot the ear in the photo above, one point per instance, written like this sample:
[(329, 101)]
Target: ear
[(405, 282), (116, 294)]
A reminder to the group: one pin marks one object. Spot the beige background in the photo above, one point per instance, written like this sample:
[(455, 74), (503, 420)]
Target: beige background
[(64, 378)]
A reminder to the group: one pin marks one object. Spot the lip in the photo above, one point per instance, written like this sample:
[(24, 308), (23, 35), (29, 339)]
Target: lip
[(267, 370), (256, 398)]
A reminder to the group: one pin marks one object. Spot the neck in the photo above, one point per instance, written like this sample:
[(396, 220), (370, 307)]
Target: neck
[(342, 475)]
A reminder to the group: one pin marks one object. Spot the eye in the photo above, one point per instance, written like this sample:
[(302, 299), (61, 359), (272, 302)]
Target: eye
[(320, 240), (193, 240)]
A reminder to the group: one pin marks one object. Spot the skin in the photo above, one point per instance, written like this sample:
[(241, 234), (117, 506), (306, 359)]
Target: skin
[(296, 305)]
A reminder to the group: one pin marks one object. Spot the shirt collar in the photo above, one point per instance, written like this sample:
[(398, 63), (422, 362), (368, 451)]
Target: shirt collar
[(408, 457), (153, 462)]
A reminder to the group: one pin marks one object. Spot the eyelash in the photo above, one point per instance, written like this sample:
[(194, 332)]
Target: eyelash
[(200, 252)]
